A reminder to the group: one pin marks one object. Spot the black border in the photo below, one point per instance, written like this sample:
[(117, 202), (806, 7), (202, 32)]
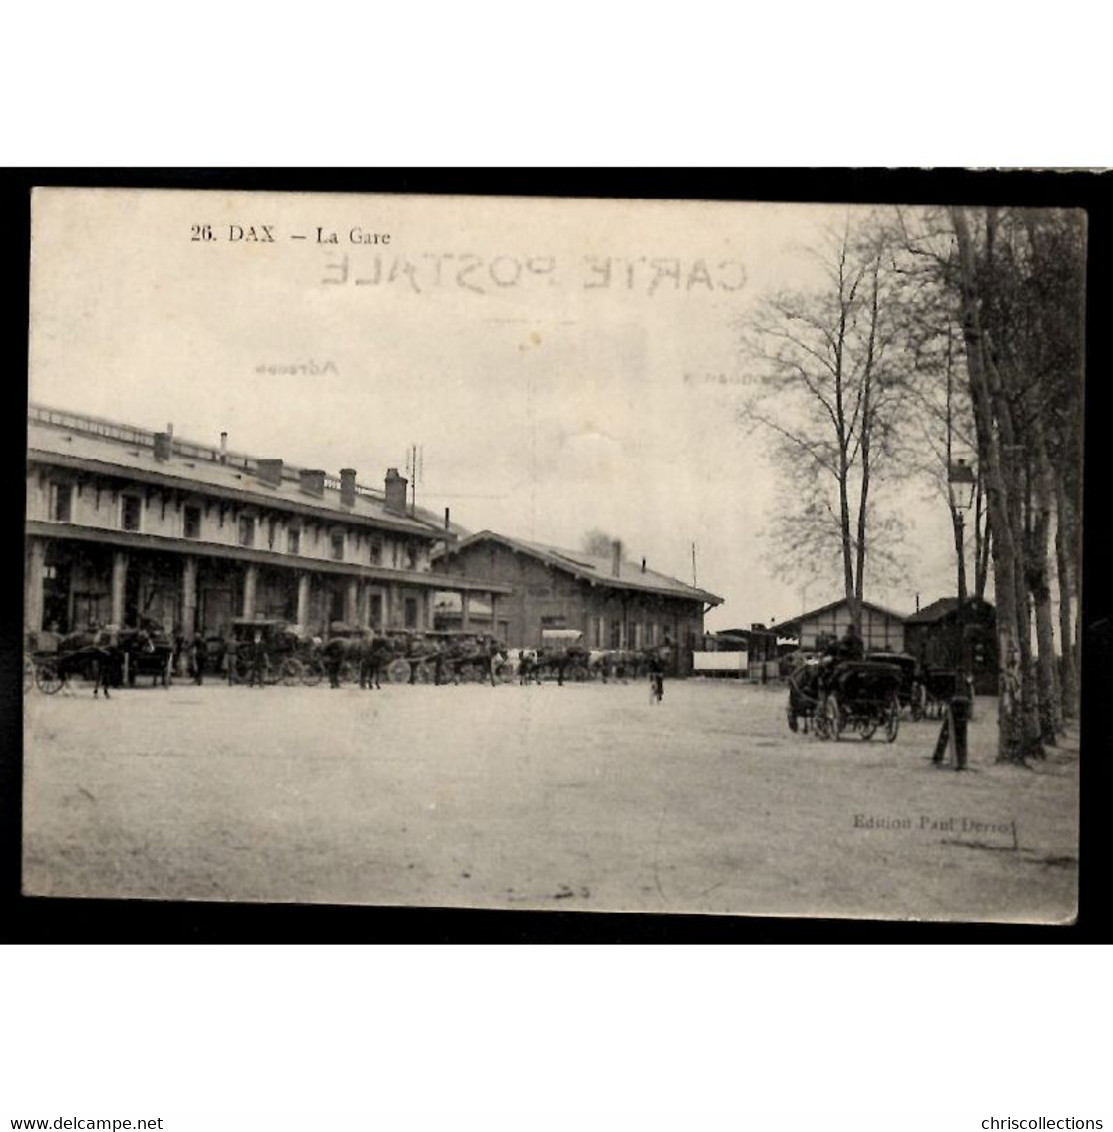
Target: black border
[(41, 920)]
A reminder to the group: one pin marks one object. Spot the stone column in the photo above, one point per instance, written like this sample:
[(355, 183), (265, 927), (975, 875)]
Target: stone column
[(465, 610), (119, 581), (33, 585), (189, 597), (392, 615), (351, 601), (430, 610), (303, 604), (364, 605), (250, 579)]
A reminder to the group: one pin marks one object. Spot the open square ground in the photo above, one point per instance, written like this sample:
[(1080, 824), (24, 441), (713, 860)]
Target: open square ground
[(582, 797)]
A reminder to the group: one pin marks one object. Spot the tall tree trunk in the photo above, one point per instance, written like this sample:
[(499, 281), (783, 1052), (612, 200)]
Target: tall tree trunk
[(1009, 708), (1039, 583), (981, 566), (865, 432), (1068, 683)]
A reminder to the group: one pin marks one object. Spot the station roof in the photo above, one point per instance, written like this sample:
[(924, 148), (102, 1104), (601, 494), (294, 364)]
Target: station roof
[(938, 610), (91, 444), (596, 569), (795, 621)]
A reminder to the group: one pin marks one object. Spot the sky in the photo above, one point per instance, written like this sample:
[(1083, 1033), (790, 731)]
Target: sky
[(564, 365)]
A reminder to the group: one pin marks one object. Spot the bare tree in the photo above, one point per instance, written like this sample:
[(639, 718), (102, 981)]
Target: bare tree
[(827, 394)]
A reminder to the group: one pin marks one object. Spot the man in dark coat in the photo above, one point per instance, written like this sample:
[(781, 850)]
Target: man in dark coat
[(258, 662), (200, 656), (847, 647)]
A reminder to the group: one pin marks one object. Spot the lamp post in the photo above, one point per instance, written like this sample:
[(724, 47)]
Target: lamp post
[(961, 484)]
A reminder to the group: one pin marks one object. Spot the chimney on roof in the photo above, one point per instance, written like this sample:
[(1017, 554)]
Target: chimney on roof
[(616, 558), (269, 471), (162, 446), (643, 563), (312, 481), (395, 491), (447, 525), (348, 487), (223, 447), (917, 603)]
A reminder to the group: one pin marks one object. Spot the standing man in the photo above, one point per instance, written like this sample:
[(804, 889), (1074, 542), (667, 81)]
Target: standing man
[(258, 662), (656, 677), (200, 655), (334, 655)]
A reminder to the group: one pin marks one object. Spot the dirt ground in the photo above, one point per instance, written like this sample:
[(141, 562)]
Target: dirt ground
[(585, 797)]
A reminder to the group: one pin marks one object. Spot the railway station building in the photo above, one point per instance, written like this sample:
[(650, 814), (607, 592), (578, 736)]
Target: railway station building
[(125, 524), (614, 603)]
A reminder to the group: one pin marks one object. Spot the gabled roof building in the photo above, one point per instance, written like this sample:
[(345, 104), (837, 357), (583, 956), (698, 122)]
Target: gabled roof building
[(882, 629), (615, 603)]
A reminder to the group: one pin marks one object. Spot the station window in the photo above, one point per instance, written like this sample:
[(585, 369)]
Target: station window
[(376, 550), (338, 545), (293, 540), (616, 634), (131, 509), (247, 530), (377, 610), (411, 555), (191, 522), (61, 502), (411, 613)]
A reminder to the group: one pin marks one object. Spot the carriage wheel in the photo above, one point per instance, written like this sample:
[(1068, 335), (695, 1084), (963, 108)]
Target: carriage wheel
[(349, 672), (833, 715), (578, 672), (240, 670), (866, 727), (820, 722), (422, 673), (505, 673), (290, 671), (398, 671), (48, 677), (311, 673), (892, 722), (272, 671), (28, 673)]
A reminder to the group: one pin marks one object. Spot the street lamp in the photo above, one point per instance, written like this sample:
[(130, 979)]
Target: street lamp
[(962, 484)]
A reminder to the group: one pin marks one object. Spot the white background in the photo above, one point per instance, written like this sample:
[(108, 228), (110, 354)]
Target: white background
[(533, 1039), (539, 1038)]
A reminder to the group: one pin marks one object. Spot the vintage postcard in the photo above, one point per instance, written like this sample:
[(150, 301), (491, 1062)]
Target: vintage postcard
[(595, 555)]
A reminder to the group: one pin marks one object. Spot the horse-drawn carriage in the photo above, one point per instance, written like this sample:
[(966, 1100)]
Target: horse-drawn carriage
[(286, 655), (107, 657), (51, 660), (912, 692), (836, 697)]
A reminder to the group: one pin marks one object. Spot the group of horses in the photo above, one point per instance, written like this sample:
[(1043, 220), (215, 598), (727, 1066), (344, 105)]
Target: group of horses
[(110, 657), (578, 663)]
